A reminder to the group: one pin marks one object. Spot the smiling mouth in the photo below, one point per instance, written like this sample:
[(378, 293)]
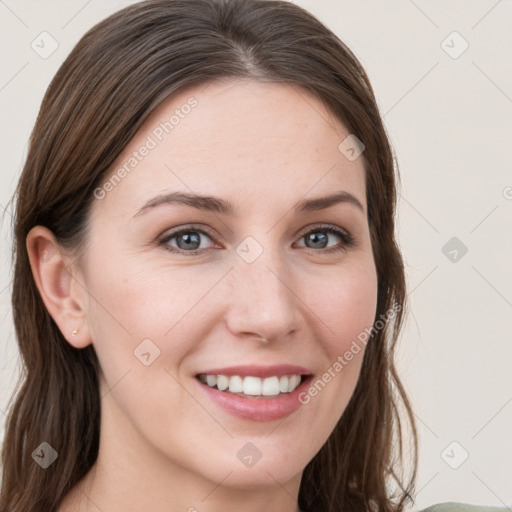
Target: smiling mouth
[(253, 387)]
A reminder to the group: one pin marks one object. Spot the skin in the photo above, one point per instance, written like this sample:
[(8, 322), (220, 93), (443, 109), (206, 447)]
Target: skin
[(164, 444)]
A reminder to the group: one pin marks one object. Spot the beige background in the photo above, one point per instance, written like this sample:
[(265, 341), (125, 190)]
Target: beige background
[(449, 120)]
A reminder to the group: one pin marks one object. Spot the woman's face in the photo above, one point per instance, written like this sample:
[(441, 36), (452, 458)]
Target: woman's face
[(187, 287)]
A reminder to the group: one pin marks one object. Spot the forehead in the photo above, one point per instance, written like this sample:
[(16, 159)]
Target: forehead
[(242, 139)]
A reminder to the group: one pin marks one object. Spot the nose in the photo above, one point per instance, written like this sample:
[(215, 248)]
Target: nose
[(263, 302)]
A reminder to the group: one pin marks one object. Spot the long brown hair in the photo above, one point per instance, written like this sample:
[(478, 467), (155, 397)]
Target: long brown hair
[(116, 76)]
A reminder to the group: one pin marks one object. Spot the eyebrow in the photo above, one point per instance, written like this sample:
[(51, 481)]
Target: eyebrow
[(218, 205)]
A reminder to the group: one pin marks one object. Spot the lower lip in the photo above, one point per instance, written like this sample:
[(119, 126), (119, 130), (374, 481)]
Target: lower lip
[(257, 409)]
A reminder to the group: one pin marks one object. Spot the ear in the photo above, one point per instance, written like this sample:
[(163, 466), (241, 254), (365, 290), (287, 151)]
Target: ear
[(62, 295)]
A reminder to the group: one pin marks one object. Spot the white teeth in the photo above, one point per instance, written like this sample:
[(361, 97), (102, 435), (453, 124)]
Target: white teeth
[(254, 386), (236, 384), (283, 384), (270, 386), (222, 382), (294, 382)]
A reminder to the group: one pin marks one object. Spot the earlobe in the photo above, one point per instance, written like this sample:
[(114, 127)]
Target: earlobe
[(53, 277)]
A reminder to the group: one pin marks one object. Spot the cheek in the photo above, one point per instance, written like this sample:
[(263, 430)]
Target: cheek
[(347, 304), (346, 307), (147, 299), (139, 308)]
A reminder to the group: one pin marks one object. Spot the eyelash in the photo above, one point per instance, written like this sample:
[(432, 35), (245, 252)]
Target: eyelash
[(346, 237)]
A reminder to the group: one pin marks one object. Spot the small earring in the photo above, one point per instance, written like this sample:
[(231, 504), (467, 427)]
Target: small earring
[(75, 332)]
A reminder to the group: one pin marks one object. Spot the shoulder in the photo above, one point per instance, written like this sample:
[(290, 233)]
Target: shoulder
[(452, 506)]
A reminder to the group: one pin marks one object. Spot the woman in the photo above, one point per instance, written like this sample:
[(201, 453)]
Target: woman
[(207, 287)]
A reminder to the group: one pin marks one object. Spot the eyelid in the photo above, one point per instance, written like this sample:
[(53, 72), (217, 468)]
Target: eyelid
[(326, 227)]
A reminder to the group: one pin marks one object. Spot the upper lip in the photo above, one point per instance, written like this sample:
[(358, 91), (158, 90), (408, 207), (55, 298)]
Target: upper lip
[(258, 371)]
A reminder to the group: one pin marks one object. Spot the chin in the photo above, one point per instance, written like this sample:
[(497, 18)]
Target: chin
[(258, 464), (259, 477)]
